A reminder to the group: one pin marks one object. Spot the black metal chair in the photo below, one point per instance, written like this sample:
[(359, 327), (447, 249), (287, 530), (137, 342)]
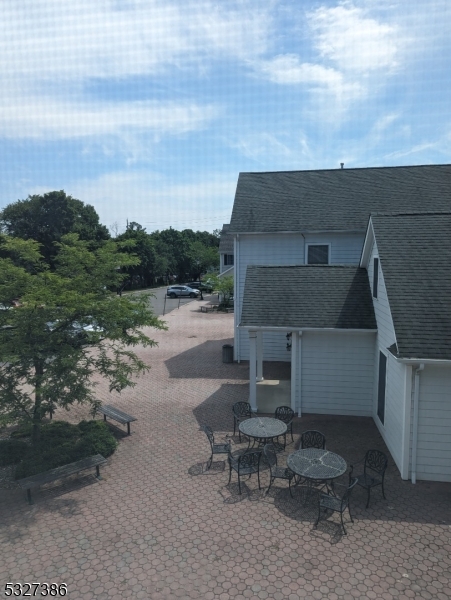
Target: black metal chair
[(276, 472), (215, 448), (313, 439), (331, 501), (245, 464), (285, 414), (374, 467), (241, 412)]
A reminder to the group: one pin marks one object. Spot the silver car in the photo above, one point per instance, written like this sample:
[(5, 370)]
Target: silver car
[(174, 291)]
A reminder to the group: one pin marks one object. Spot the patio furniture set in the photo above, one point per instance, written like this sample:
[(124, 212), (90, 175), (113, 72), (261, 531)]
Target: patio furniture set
[(312, 465)]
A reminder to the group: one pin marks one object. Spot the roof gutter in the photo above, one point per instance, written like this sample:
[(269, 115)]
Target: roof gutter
[(298, 231), (425, 361), (416, 396)]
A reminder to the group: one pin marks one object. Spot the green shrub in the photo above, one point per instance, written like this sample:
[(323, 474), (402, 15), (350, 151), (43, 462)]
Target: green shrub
[(62, 443), (58, 432), (23, 431), (12, 451)]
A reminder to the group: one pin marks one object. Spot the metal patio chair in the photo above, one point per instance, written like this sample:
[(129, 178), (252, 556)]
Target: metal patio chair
[(331, 501), (276, 472), (215, 448), (285, 414), (245, 464), (241, 412), (374, 467)]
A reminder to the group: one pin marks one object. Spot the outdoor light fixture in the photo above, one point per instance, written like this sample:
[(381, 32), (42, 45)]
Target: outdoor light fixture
[(288, 336)]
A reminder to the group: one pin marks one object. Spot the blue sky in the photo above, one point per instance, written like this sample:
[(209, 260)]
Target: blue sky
[(149, 109)]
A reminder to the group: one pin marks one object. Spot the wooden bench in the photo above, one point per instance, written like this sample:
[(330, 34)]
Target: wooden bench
[(117, 415), (34, 481), (208, 308)]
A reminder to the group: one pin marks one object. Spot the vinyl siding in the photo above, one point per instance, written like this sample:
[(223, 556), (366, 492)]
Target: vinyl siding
[(392, 428), (337, 373), (434, 424), (266, 249), (284, 249)]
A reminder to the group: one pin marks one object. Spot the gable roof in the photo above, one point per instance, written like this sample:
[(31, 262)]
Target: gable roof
[(335, 200), (307, 296), (226, 240), (415, 258)]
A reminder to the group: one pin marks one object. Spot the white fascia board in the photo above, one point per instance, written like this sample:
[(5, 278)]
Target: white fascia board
[(367, 245), (301, 329), (226, 271)]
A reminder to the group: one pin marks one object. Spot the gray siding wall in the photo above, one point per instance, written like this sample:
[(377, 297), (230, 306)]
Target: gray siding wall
[(434, 424), (337, 370), (284, 249), (393, 425)]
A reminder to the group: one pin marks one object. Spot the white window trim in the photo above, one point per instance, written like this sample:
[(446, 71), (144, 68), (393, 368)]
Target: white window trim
[(328, 244)]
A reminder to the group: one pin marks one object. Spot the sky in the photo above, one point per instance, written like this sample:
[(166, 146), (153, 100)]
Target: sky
[(149, 109)]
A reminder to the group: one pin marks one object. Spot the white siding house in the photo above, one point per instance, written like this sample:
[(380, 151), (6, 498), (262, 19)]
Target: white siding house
[(393, 364)]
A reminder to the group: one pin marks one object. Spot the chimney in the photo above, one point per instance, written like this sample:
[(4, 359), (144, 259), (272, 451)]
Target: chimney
[(342, 165)]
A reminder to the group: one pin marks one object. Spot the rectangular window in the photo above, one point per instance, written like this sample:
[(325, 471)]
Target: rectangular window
[(318, 254), (381, 387), (228, 260), (375, 276)]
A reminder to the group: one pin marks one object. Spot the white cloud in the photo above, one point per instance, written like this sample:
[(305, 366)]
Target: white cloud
[(48, 118), (67, 40), (354, 41), (288, 69)]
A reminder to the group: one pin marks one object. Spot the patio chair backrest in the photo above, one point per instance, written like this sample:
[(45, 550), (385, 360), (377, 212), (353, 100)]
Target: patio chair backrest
[(348, 492), (209, 433), (242, 409), (284, 413), (270, 455), (376, 461), (313, 439), (249, 460)]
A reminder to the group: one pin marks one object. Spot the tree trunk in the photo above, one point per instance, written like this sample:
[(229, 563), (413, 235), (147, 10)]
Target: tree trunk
[(37, 416)]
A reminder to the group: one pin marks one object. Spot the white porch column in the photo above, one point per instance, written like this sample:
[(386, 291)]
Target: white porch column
[(259, 355), (294, 367), (253, 370)]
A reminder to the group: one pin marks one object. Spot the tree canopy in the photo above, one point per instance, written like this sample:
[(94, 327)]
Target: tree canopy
[(68, 326), (46, 218)]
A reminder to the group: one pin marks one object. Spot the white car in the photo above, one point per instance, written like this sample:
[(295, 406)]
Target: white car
[(174, 291)]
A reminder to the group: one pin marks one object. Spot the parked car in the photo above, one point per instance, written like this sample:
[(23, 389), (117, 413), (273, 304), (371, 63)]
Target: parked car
[(200, 285), (174, 291)]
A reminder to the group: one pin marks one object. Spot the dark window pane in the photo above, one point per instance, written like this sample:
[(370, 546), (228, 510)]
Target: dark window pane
[(381, 387), (375, 276), (318, 255), (228, 260)]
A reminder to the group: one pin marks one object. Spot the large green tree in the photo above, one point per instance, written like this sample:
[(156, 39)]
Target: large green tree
[(68, 328), (46, 218)]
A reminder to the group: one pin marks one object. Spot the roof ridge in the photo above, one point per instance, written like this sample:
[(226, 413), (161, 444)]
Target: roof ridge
[(410, 213), (348, 169)]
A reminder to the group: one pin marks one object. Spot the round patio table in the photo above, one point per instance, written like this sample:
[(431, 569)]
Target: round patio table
[(262, 429), (316, 464)]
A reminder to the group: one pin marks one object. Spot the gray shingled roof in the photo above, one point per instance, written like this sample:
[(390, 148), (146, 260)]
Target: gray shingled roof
[(338, 199), (320, 296), (415, 257), (226, 240)]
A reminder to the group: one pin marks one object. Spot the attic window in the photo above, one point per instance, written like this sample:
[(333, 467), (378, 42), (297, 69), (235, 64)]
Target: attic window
[(317, 254), (375, 276)]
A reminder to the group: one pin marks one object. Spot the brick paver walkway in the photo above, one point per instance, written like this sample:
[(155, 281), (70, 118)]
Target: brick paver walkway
[(159, 526)]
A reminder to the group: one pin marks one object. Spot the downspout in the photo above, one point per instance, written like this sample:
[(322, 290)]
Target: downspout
[(416, 396), (236, 299)]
